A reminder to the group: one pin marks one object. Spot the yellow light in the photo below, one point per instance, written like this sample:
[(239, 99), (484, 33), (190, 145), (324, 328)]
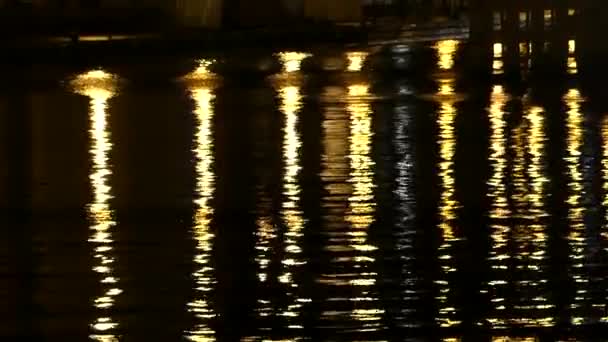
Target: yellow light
[(355, 60), (571, 46), (291, 101), (497, 50), (348, 177), (292, 61), (498, 141), (605, 173), (96, 74), (447, 202), (361, 162), (576, 206), (202, 150), (446, 49), (99, 86), (497, 66), (572, 65), (529, 209), (202, 74)]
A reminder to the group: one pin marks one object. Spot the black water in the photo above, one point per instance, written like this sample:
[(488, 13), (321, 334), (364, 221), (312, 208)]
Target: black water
[(339, 204)]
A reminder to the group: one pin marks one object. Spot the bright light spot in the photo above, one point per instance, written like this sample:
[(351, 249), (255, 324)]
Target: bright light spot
[(571, 46), (446, 50), (292, 61), (355, 60), (497, 49)]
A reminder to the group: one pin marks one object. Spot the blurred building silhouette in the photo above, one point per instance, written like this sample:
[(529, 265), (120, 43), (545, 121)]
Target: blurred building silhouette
[(520, 35), (155, 14), (555, 35)]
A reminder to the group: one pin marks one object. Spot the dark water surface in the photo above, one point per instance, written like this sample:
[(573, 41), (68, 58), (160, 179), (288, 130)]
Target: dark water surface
[(245, 202)]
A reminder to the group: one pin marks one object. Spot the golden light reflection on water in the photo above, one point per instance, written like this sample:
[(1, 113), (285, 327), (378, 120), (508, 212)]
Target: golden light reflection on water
[(350, 207), (291, 101), (203, 97), (576, 208), (100, 86), (446, 317), (530, 306), (514, 339), (356, 59), (498, 142), (499, 207), (361, 201), (292, 61), (446, 50), (604, 231)]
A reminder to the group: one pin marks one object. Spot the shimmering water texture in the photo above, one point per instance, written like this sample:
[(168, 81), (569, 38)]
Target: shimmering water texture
[(304, 195)]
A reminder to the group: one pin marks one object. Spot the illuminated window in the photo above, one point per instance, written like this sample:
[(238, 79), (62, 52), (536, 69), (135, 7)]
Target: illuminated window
[(571, 46), (546, 46), (497, 20), (497, 67), (572, 65), (548, 18), (571, 11), (497, 64), (497, 49), (524, 18)]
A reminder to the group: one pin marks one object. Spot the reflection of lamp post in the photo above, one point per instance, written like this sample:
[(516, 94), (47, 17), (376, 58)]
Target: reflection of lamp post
[(201, 83), (100, 86)]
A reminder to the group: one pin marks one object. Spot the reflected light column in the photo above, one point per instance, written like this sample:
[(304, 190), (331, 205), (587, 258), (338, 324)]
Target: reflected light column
[(530, 303), (291, 101), (291, 63), (361, 201), (447, 207), (406, 234), (201, 85), (605, 176), (604, 230), (288, 84), (576, 209), (100, 86), (499, 209), (350, 207)]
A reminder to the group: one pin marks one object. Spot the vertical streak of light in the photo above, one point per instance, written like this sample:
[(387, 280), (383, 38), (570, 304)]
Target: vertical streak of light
[(267, 232), (497, 58), (531, 306), (447, 144), (361, 201), (334, 175), (205, 184), (291, 101), (499, 210), (535, 117), (604, 230), (405, 233), (576, 235), (99, 87), (349, 198), (572, 62), (605, 175)]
